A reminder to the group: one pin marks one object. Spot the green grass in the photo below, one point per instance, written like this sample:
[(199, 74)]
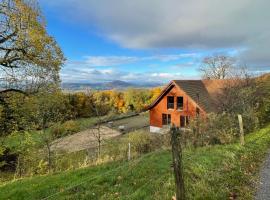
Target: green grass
[(213, 172)]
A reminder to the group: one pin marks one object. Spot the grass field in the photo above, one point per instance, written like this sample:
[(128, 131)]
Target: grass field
[(214, 172)]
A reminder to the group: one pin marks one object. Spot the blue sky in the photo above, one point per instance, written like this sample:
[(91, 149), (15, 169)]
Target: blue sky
[(155, 40)]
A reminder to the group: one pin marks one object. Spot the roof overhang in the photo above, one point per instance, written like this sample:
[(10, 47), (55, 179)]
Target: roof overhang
[(163, 92)]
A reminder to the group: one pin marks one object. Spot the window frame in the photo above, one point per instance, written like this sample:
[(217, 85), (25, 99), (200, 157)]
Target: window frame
[(185, 119), (177, 103), (170, 105), (166, 119)]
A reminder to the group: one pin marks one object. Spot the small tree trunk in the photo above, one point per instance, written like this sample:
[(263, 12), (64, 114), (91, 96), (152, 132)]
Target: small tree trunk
[(99, 149), (242, 138), (177, 163), (49, 156), (129, 151)]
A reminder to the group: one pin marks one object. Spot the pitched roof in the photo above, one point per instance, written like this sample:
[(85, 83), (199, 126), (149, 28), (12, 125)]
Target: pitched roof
[(204, 92), (198, 92)]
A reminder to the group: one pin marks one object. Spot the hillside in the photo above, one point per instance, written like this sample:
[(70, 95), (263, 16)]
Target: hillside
[(116, 84), (215, 172)]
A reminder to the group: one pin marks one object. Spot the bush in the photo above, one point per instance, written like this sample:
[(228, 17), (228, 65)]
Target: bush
[(57, 130), (71, 127), (216, 129), (67, 128), (141, 142)]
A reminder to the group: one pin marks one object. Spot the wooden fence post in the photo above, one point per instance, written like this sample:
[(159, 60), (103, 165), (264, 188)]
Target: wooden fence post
[(242, 139), (177, 162), (129, 151)]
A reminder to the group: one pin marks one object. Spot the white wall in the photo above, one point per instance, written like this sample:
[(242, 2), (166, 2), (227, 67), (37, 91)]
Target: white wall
[(154, 129)]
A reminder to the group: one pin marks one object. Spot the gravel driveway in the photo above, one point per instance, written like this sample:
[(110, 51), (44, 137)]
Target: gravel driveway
[(263, 192), (82, 140)]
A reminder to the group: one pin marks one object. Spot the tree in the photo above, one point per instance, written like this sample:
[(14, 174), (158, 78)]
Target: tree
[(50, 110), (136, 99), (217, 67), (29, 57)]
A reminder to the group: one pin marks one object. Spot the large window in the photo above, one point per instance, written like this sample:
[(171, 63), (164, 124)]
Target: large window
[(166, 119), (170, 102), (184, 121), (180, 103)]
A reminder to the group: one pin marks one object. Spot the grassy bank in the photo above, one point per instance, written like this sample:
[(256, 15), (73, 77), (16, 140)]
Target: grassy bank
[(214, 172)]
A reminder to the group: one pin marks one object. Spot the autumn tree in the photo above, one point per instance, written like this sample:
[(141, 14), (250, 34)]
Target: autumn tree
[(29, 57), (136, 99), (217, 67)]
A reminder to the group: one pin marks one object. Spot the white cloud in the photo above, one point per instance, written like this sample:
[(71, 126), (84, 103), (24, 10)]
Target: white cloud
[(104, 75), (178, 23), (109, 60), (103, 61)]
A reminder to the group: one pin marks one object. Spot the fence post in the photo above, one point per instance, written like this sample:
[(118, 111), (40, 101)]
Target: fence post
[(242, 139), (177, 162), (128, 151)]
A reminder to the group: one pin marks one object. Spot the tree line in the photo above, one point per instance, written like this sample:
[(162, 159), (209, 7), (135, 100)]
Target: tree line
[(41, 110)]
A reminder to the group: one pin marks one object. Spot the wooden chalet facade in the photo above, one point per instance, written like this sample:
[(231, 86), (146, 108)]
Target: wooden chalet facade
[(182, 100)]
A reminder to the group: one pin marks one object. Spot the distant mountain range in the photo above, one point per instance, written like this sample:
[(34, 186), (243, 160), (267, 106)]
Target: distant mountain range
[(117, 84)]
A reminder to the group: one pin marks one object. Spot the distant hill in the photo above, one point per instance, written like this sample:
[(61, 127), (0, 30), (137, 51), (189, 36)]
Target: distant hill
[(116, 84)]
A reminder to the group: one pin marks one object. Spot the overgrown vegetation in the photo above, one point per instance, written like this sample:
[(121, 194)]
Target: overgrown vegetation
[(213, 172)]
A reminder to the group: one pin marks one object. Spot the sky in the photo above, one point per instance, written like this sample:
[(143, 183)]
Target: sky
[(155, 40)]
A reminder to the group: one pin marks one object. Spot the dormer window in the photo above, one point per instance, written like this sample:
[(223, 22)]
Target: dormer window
[(170, 102), (180, 103)]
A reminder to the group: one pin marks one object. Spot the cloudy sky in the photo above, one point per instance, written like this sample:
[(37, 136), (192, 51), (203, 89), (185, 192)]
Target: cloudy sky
[(156, 40)]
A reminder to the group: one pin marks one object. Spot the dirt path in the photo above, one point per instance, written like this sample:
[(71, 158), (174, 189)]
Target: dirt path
[(263, 192), (82, 140)]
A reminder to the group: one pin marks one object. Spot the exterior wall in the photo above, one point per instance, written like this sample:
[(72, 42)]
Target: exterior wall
[(189, 108), (154, 129)]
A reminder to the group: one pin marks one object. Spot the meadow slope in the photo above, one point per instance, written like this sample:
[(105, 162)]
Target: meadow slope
[(214, 172)]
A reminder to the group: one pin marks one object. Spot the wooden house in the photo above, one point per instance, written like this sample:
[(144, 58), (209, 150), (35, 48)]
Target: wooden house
[(182, 100)]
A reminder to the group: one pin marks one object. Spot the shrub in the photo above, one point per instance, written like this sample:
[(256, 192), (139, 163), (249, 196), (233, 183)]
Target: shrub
[(67, 128), (216, 129), (71, 127), (141, 142), (57, 130)]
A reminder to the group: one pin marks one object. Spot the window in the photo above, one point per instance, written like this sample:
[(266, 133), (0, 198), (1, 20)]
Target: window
[(166, 119), (180, 103), (170, 102), (184, 121), (169, 119)]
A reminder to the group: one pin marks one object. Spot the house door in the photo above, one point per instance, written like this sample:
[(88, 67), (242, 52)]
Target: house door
[(182, 121)]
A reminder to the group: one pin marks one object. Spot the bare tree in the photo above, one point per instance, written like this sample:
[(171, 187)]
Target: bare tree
[(217, 67), (96, 107), (97, 133)]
